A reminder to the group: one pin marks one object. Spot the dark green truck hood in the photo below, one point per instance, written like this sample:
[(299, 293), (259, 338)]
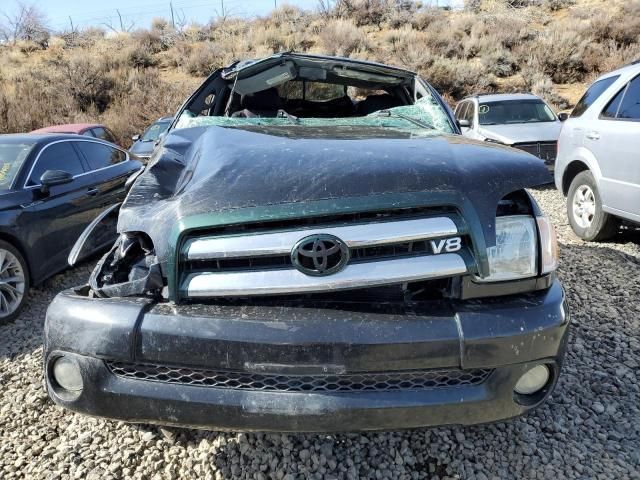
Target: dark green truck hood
[(207, 176)]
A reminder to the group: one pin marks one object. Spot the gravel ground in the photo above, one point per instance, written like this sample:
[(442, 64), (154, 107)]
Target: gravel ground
[(590, 428)]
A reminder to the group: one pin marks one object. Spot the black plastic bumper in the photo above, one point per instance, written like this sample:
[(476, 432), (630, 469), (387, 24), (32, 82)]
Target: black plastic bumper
[(508, 335)]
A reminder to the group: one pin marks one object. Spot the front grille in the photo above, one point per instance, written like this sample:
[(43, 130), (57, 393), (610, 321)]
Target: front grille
[(381, 250), (363, 254), (353, 382), (544, 150)]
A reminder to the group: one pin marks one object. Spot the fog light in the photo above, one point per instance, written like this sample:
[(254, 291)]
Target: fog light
[(67, 375), (533, 380)]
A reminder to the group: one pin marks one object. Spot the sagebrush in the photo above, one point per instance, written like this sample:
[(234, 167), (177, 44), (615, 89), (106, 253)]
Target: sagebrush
[(128, 79)]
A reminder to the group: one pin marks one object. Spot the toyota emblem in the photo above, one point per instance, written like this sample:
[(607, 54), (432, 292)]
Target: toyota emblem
[(321, 254)]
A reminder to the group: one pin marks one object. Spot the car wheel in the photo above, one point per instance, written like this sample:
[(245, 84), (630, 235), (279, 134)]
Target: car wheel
[(14, 282), (584, 209)]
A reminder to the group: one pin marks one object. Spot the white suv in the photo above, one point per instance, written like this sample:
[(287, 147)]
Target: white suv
[(598, 164), (520, 120)]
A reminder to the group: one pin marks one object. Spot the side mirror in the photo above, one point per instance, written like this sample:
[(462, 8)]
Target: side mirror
[(563, 116), (464, 123), (54, 177), (135, 138)]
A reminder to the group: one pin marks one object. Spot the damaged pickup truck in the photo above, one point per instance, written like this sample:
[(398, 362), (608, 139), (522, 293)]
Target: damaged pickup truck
[(314, 247)]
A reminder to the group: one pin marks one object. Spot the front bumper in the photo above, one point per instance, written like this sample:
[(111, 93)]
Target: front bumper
[(508, 335)]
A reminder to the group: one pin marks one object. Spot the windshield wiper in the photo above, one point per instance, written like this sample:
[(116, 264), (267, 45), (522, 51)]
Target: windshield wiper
[(389, 113)]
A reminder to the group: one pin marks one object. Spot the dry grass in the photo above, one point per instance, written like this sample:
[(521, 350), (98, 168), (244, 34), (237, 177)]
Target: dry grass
[(551, 47)]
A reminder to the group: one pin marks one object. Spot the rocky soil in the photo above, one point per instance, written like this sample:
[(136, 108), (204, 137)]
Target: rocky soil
[(590, 428)]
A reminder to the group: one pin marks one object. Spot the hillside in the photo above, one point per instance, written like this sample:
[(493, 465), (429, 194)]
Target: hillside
[(128, 79)]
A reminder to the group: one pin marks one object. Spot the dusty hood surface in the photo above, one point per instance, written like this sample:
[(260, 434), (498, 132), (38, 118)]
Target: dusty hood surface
[(212, 170), (523, 132)]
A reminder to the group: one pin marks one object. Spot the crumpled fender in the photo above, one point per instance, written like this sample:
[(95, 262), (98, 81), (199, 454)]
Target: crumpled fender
[(78, 250), (120, 274)]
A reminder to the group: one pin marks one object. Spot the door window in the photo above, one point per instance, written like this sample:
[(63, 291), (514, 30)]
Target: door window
[(611, 110), (58, 156), (101, 156), (630, 106), (592, 94), (626, 104)]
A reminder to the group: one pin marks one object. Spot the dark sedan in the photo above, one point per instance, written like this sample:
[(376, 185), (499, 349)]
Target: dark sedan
[(51, 188)]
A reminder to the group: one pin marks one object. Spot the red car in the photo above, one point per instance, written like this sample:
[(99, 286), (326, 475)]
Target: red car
[(89, 129)]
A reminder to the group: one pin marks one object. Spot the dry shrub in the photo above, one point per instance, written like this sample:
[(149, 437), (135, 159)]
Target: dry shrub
[(287, 17), (33, 101), (86, 38), (555, 5), (456, 78), (544, 88), (619, 57), (87, 81), (178, 55), (560, 54), (399, 18), (623, 27), (232, 39), (162, 35), (270, 37), (446, 35), (139, 55), (499, 62), (364, 12), (406, 47), (423, 18), (341, 37), (151, 41), (540, 84), (203, 59), (28, 46), (145, 97)]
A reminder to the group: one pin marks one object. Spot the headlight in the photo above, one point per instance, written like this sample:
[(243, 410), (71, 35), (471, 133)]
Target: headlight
[(515, 254), (493, 140)]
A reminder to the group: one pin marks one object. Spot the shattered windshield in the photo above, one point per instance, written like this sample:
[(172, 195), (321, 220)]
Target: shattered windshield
[(425, 115)]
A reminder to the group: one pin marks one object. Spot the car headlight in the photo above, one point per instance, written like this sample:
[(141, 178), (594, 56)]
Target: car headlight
[(493, 140), (515, 254), (519, 244)]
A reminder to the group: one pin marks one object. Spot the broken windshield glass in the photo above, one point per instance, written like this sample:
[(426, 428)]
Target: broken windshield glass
[(425, 114)]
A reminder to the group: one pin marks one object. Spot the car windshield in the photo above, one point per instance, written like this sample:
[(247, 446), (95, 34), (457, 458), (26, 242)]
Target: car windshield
[(514, 111), (12, 157), (154, 131), (426, 115)]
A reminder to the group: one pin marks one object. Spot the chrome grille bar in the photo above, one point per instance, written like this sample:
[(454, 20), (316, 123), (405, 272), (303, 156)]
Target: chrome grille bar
[(354, 236), (291, 281)]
